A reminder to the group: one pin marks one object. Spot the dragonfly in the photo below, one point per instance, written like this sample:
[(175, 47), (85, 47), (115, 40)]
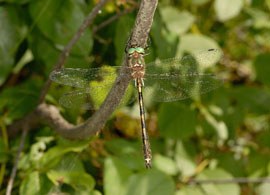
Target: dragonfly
[(166, 80)]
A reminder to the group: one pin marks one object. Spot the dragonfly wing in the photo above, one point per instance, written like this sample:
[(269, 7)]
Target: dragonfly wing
[(92, 98), (77, 99), (78, 77), (177, 87), (202, 60), (180, 78), (187, 65)]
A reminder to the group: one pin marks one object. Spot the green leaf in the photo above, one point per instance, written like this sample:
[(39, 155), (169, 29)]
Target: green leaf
[(176, 21), (95, 192), (150, 182), (165, 164), (232, 115), (188, 190), (54, 155), (129, 152), (70, 162), (19, 100), (70, 171), (261, 65), (218, 189), (219, 126), (176, 121), (258, 96), (165, 42), (36, 184), (184, 160), (199, 2), (229, 163), (116, 176), (66, 171), (257, 164), (264, 138), (12, 32), (4, 153), (268, 4), (123, 30), (16, 1), (121, 146), (31, 184), (39, 44), (260, 19), (228, 9), (80, 181), (59, 21), (263, 189)]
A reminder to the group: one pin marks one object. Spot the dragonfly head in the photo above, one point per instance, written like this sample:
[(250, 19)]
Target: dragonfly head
[(139, 50)]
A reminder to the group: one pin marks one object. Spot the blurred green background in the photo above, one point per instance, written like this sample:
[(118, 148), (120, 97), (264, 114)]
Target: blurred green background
[(221, 135)]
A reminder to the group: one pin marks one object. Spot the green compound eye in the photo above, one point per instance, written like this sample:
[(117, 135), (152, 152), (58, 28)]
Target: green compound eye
[(140, 49), (137, 49), (131, 50)]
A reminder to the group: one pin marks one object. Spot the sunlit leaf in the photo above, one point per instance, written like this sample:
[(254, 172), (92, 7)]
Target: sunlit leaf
[(184, 160), (192, 189), (176, 21), (165, 164), (116, 176), (150, 182), (263, 189), (218, 189), (228, 9), (259, 18), (268, 4), (31, 184)]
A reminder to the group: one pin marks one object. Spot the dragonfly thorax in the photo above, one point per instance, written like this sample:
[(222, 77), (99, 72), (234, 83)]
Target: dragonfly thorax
[(136, 64), (137, 71)]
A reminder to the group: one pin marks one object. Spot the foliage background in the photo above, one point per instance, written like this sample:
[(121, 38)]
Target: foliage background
[(223, 135)]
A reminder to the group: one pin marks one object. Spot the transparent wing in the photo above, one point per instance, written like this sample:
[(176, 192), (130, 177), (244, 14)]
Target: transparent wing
[(180, 78), (189, 64), (77, 77), (168, 88), (95, 83), (166, 80), (92, 98), (77, 99)]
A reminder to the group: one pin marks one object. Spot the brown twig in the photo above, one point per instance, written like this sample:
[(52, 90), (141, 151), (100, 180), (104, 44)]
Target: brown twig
[(44, 113), (143, 24), (51, 116), (15, 166), (65, 53)]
